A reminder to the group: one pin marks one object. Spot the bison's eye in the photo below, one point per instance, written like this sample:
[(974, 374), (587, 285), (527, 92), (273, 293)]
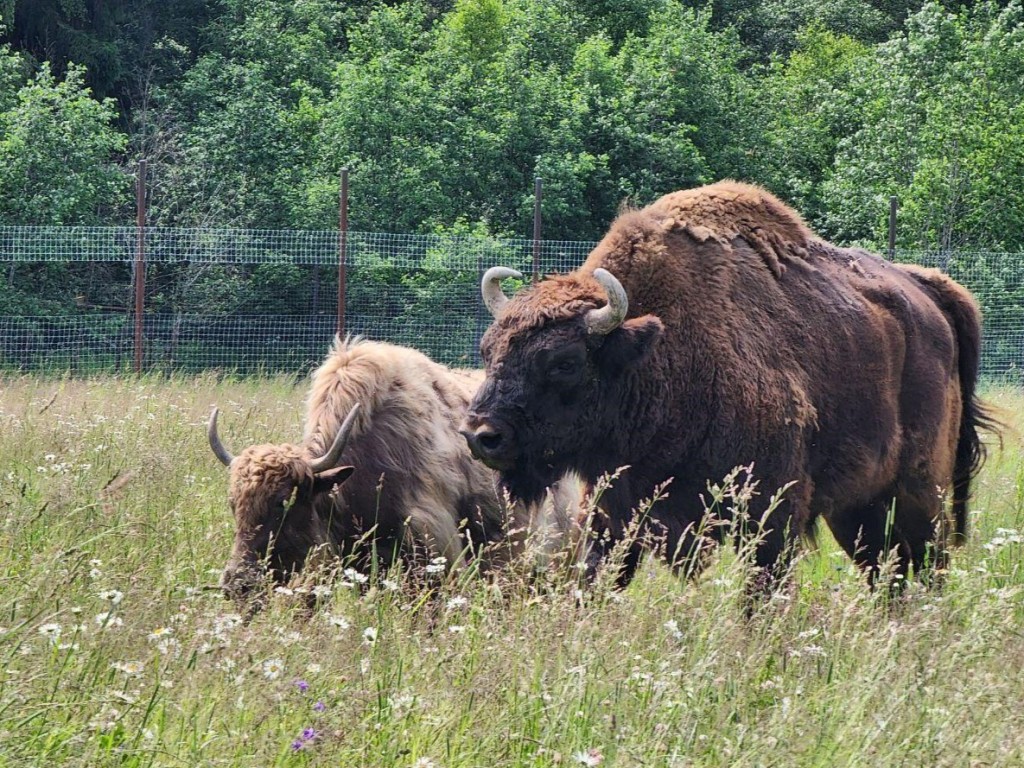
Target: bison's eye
[(563, 368), (564, 371)]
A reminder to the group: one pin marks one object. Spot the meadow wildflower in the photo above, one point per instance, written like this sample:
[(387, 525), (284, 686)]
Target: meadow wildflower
[(425, 762), (114, 596), (402, 705), (51, 631), (338, 621), (308, 736), (107, 619), (456, 603), (436, 565), (302, 685), (370, 635), (272, 668), (590, 757), (160, 633), (130, 668), (354, 576), (319, 707)]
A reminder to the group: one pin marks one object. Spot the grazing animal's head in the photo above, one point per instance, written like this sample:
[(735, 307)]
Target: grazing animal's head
[(273, 492), (557, 358)]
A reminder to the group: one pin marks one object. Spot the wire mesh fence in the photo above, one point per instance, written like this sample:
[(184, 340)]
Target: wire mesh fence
[(267, 301), (243, 300)]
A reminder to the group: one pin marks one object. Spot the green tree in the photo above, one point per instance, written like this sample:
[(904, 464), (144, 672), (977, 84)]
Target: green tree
[(58, 154), (940, 128), (246, 115), (805, 101)]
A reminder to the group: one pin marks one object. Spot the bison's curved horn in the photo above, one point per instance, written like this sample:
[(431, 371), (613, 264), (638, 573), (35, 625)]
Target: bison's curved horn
[(490, 288), (609, 317), (219, 450), (330, 459)]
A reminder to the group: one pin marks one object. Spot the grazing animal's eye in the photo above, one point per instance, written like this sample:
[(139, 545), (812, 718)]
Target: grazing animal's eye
[(563, 368)]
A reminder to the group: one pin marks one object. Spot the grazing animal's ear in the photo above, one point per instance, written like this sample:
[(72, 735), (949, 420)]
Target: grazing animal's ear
[(329, 478), (629, 343)]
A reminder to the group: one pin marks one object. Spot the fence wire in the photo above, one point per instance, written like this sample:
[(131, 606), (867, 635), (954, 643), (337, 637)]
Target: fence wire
[(250, 301)]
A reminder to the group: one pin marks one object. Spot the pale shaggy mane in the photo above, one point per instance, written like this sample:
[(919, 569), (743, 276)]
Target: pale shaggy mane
[(268, 466), (730, 209), (368, 373)]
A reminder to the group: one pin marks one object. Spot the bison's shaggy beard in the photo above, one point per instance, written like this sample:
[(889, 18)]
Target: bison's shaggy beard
[(528, 481)]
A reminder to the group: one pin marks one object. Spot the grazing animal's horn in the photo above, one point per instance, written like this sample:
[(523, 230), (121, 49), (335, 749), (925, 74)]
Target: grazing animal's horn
[(330, 459), (609, 317), (219, 450), (490, 288)]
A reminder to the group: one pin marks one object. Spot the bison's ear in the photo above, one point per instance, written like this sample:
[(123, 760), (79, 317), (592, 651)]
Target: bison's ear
[(327, 479), (629, 343)]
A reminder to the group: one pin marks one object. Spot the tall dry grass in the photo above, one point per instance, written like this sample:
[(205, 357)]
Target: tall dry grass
[(112, 652)]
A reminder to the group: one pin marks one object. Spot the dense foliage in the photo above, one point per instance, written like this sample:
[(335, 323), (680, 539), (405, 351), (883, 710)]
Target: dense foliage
[(445, 111)]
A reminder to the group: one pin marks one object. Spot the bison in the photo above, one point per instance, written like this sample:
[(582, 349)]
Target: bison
[(381, 472), (713, 329)]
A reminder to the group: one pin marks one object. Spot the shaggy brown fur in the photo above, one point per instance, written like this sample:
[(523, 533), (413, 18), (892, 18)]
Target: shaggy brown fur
[(747, 339), (415, 485)]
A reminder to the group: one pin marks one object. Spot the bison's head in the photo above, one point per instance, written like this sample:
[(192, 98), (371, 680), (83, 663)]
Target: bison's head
[(273, 493), (559, 359)]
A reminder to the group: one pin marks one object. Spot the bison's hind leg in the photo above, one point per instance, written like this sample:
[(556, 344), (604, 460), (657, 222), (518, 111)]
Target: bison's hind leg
[(898, 526), (924, 529)]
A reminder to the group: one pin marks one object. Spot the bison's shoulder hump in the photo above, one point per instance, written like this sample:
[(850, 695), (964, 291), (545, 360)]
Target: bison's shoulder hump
[(729, 209)]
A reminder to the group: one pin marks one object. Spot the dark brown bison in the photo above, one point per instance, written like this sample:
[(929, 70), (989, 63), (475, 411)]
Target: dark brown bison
[(381, 472), (713, 329)]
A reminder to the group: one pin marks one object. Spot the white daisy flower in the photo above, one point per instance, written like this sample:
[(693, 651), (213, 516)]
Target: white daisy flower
[(272, 668)]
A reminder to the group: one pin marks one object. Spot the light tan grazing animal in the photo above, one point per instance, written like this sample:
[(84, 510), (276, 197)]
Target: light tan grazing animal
[(382, 472)]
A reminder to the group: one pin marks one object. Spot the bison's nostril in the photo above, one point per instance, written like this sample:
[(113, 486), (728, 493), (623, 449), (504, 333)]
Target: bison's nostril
[(489, 441)]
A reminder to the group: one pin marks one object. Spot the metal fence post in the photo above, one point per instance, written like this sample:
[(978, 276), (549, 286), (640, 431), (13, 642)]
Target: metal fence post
[(536, 228), (140, 260), (893, 205), (342, 249), (482, 315)]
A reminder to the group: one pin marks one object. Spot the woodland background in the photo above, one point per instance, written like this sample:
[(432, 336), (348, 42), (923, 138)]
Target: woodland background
[(444, 112)]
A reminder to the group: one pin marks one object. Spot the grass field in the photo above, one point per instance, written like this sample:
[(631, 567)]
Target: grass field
[(113, 519)]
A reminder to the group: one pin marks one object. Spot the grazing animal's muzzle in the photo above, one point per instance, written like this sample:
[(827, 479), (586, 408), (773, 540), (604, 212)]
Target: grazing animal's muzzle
[(490, 440), (241, 583)]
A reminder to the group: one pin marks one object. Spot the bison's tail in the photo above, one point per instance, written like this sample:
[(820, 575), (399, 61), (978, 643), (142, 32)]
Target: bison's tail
[(959, 306), (970, 450)]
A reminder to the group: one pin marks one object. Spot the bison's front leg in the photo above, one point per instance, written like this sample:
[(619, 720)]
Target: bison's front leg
[(770, 545)]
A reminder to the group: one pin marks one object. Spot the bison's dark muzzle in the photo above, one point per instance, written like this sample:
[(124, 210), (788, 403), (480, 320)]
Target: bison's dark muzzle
[(490, 440)]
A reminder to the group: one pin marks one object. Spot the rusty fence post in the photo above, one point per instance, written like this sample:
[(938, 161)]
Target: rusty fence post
[(536, 228), (893, 205), (140, 260), (342, 249)]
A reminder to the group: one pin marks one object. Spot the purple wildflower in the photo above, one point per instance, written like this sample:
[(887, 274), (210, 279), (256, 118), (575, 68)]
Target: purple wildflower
[(302, 685), (309, 734), (297, 745), (319, 707)]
